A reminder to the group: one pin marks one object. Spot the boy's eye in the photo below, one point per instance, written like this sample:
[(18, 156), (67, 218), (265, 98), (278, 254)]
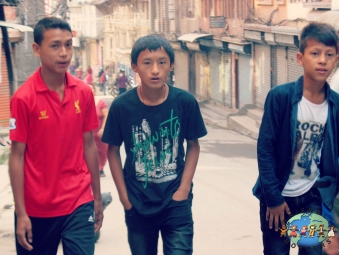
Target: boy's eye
[(162, 62), (314, 53), (54, 46), (147, 63)]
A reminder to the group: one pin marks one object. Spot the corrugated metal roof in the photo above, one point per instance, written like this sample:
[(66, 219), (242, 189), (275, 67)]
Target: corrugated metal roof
[(193, 37), (19, 27)]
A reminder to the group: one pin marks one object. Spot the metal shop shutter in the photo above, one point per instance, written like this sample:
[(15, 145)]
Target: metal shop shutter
[(4, 92), (294, 69), (201, 88), (181, 69), (216, 84), (227, 59), (281, 65), (245, 81), (263, 73)]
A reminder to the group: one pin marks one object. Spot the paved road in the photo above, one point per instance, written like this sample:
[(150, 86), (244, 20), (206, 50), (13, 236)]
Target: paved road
[(224, 210)]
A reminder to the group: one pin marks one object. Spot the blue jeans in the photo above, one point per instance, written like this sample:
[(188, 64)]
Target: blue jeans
[(273, 243), (175, 224)]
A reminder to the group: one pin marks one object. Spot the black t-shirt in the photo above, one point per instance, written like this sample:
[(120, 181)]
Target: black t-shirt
[(153, 137)]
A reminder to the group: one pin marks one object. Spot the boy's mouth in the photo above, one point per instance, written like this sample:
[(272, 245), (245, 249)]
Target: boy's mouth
[(62, 63), (155, 79), (321, 70)]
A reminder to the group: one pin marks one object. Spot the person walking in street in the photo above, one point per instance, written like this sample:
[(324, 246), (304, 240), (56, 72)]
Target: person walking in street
[(104, 80), (89, 76), (298, 141), (79, 72), (53, 164), (155, 185), (102, 112), (72, 68), (122, 82)]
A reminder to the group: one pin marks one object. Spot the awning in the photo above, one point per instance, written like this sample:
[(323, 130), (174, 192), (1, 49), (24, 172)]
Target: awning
[(193, 37), (97, 2), (330, 17), (19, 27)]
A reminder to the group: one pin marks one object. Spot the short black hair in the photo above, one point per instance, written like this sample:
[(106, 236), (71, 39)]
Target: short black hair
[(321, 32), (48, 23), (151, 42)]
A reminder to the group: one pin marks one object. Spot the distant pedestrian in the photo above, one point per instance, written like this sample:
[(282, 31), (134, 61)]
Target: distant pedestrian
[(79, 72), (122, 81), (54, 162), (102, 112), (72, 68), (298, 141), (104, 80), (153, 121), (89, 76)]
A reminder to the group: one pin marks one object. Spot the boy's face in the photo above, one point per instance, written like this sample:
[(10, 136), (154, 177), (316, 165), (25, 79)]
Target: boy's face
[(55, 50), (318, 61), (153, 67)]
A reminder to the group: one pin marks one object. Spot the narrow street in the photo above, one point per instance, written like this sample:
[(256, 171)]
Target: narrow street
[(224, 210)]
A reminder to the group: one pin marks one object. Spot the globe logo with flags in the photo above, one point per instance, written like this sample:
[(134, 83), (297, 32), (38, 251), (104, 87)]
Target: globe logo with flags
[(308, 230)]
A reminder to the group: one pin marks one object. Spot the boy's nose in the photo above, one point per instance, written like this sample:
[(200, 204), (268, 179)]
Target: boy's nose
[(322, 58), (155, 69), (63, 51)]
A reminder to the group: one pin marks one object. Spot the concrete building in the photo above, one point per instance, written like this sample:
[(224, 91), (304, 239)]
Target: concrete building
[(230, 52), (275, 36), (87, 23), (11, 34)]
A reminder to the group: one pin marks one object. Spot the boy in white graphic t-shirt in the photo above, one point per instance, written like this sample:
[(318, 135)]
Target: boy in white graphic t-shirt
[(297, 143)]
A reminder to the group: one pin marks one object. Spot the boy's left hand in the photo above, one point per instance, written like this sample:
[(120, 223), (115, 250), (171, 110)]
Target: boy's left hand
[(180, 195), (98, 215)]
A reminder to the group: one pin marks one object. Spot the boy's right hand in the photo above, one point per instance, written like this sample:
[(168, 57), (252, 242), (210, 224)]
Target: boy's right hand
[(276, 214), (126, 204), (24, 227)]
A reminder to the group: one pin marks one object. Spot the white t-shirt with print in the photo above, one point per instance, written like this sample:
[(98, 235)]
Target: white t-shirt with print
[(311, 122)]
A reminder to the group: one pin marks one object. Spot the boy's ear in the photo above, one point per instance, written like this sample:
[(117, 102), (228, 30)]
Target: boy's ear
[(172, 66), (36, 49), (134, 67), (300, 58)]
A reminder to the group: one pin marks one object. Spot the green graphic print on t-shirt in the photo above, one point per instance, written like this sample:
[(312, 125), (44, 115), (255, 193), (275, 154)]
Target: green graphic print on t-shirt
[(155, 152)]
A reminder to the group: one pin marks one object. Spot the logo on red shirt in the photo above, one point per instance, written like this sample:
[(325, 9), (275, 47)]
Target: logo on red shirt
[(77, 106), (43, 115)]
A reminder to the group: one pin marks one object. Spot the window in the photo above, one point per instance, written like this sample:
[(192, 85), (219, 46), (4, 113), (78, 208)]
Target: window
[(188, 8)]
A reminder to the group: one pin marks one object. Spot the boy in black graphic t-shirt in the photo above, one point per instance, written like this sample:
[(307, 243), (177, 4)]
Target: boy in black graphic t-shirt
[(153, 120)]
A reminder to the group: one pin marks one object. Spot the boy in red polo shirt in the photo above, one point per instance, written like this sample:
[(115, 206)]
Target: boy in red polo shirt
[(54, 162)]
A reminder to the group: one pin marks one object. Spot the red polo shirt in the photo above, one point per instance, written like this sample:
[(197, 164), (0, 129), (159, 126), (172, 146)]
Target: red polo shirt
[(57, 180)]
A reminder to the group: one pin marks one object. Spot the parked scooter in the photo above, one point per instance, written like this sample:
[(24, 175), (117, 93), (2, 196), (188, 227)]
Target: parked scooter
[(106, 198)]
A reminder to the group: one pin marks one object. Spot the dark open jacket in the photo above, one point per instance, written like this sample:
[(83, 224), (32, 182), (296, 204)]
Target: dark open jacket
[(276, 142)]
